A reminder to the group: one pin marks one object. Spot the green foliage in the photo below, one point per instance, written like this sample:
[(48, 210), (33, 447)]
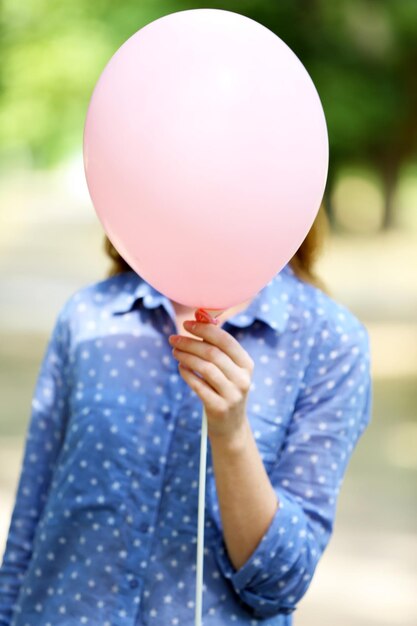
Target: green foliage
[(52, 55), (361, 54)]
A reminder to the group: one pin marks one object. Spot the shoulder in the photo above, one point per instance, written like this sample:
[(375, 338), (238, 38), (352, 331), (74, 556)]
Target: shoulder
[(325, 320), (95, 298)]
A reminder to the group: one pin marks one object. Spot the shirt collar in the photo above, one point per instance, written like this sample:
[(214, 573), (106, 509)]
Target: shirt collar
[(270, 305)]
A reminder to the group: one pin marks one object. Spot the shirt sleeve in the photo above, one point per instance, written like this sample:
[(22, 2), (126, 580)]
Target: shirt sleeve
[(331, 413), (43, 441)]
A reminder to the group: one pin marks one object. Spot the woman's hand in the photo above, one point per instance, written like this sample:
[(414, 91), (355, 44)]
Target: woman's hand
[(220, 371)]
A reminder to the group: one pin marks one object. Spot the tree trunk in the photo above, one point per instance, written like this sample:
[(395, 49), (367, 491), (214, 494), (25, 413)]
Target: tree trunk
[(390, 180), (329, 206)]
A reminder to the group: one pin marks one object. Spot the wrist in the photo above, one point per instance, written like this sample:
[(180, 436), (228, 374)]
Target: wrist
[(233, 442)]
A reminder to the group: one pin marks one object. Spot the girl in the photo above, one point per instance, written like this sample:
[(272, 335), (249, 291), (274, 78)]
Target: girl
[(104, 526)]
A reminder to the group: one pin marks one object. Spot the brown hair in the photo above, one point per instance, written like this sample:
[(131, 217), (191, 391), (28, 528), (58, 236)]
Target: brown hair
[(302, 262)]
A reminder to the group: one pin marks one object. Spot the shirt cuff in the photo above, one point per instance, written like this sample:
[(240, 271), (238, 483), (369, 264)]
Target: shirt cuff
[(265, 577)]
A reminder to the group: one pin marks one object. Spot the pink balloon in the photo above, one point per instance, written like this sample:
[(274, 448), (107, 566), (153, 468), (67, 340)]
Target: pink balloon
[(206, 155)]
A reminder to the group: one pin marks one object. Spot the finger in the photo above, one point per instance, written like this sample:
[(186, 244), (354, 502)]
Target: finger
[(223, 340), (209, 372), (211, 353), (207, 395)]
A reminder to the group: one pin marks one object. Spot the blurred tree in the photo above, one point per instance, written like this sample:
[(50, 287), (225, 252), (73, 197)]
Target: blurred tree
[(52, 54), (361, 55)]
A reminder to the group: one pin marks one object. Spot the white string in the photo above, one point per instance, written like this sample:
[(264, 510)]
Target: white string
[(200, 523)]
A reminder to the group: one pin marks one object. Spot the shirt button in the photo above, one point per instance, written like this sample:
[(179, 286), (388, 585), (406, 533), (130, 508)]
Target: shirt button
[(287, 611), (144, 527), (154, 469), (133, 583)]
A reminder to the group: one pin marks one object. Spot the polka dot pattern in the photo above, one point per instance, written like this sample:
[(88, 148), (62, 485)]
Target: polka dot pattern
[(104, 527)]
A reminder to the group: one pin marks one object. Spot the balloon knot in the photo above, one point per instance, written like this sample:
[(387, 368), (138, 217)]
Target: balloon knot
[(202, 316)]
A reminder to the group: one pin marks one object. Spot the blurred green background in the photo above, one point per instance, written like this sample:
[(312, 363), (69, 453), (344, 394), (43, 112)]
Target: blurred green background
[(362, 57)]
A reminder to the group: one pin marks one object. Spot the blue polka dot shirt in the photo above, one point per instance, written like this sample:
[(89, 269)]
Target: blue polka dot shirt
[(104, 526)]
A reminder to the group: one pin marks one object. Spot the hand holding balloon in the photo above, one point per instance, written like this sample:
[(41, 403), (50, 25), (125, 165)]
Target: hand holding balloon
[(226, 371)]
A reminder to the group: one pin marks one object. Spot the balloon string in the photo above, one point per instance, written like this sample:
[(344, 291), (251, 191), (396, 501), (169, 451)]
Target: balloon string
[(200, 524), (201, 315)]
